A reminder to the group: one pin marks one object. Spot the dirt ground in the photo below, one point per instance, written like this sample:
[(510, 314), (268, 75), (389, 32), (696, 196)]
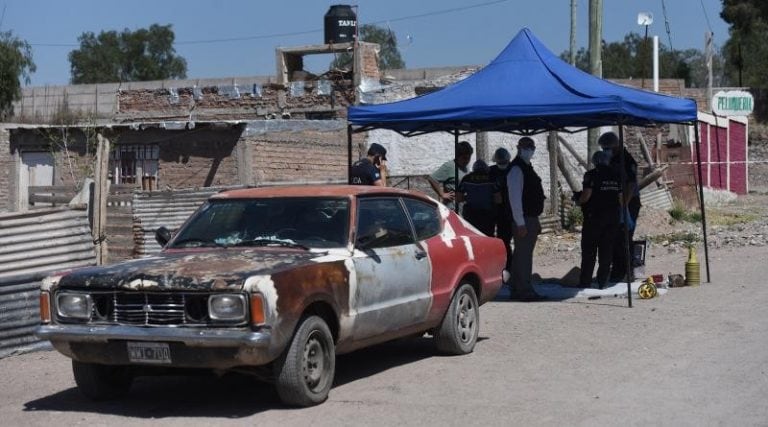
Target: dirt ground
[(695, 356)]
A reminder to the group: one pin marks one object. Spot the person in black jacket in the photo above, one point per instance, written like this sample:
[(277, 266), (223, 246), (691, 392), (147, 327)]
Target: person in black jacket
[(599, 201), (478, 192), (526, 200), (370, 170), (503, 214)]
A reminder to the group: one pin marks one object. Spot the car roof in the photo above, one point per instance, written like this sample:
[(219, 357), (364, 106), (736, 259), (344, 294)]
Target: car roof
[(318, 191)]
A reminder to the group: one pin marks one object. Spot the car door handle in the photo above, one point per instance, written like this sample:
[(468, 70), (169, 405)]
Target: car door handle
[(421, 255)]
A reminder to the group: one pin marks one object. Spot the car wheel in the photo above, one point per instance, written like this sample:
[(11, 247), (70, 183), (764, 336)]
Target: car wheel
[(304, 373), (102, 382), (461, 324)]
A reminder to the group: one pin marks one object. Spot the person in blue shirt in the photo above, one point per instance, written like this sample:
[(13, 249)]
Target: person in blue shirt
[(371, 170)]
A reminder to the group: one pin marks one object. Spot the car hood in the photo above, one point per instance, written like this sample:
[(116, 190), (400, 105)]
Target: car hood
[(217, 269)]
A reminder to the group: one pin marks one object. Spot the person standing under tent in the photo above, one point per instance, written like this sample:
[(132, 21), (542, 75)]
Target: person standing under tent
[(526, 199), (371, 170), (503, 214), (609, 143), (444, 179), (478, 193), (599, 201)]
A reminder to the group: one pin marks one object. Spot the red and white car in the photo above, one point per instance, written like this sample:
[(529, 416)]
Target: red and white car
[(277, 281)]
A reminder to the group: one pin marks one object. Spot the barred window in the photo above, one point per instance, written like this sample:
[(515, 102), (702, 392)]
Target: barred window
[(135, 164)]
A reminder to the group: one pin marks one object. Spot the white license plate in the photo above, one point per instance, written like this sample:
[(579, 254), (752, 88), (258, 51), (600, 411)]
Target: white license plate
[(149, 352)]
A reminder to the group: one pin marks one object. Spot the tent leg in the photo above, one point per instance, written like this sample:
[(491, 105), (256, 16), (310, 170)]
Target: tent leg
[(349, 154), (625, 215), (455, 169), (701, 199)]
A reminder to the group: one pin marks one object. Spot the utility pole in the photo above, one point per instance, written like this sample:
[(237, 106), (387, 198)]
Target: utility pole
[(573, 32), (595, 60), (708, 53)]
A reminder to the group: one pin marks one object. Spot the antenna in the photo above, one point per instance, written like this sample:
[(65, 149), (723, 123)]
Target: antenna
[(644, 18)]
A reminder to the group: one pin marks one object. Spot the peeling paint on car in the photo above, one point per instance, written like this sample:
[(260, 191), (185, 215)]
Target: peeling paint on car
[(264, 285)]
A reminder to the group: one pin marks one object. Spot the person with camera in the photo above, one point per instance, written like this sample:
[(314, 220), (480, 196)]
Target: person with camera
[(372, 169)]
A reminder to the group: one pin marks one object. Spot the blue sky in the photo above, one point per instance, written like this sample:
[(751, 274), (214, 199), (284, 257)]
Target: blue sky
[(429, 35)]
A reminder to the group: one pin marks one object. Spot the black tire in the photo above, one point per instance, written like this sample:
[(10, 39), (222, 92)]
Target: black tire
[(458, 332), (304, 373), (102, 382)]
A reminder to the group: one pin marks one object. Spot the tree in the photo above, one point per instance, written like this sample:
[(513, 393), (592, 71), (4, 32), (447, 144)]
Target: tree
[(631, 59), (389, 56), (144, 54), (746, 51), (15, 65)]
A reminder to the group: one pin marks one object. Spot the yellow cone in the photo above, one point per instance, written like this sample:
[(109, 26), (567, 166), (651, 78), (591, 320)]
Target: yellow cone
[(692, 268)]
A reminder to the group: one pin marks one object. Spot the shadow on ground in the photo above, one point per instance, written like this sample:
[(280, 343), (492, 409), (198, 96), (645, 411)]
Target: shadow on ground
[(230, 396)]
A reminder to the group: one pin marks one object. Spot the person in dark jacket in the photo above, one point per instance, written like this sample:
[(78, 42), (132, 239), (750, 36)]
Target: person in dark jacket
[(478, 192), (371, 170), (599, 201), (503, 214), (526, 200), (609, 142)]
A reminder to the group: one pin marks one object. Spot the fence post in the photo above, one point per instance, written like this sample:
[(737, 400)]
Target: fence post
[(100, 199)]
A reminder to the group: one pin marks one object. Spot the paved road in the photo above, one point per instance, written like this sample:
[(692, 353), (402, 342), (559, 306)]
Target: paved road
[(696, 356)]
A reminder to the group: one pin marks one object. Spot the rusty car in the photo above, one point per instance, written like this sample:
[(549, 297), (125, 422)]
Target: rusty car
[(276, 282)]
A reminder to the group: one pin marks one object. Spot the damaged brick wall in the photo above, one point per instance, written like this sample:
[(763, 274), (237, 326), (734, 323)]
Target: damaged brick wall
[(303, 156), (215, 103)]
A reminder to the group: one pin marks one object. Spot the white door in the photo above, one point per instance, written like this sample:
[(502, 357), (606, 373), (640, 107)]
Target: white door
[(36, 170), (392, 272)]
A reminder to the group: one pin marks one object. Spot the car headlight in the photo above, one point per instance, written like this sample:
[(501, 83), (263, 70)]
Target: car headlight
[(226, 307), (73, 305)]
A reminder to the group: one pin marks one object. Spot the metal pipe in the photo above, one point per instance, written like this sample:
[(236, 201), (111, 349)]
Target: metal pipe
[(655, 63), (349, 154), (701, 198), (455, 169), (625, 215)]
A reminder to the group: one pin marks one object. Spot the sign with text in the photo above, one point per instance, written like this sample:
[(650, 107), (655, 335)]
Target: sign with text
[(733, 103)]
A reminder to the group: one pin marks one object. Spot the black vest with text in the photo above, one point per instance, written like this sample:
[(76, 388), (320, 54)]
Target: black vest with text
[(533, 192)]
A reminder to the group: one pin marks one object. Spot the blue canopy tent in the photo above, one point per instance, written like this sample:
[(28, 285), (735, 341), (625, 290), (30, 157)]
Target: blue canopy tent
[(526, 90)]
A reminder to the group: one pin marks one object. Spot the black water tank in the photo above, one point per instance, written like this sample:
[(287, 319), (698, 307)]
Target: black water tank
[(340, 24)]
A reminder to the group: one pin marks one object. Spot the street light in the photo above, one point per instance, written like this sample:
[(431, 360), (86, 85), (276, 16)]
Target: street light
[(644, 19)]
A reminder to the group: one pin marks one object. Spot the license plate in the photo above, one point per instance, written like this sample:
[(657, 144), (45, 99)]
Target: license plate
[(149, 352)]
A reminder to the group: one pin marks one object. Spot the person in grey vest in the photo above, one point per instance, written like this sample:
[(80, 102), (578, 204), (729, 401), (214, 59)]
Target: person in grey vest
[(526, 200)]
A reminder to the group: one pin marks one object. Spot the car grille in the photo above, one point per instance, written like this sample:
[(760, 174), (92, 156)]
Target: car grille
[(151, 309)]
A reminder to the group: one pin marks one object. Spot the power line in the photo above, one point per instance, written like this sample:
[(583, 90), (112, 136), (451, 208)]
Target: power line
[(706, 16), (299, 33)]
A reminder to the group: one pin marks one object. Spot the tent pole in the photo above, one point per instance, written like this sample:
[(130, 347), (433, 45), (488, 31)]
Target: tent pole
[(625, 217), (455, 169), (701, 198), (349, 154)]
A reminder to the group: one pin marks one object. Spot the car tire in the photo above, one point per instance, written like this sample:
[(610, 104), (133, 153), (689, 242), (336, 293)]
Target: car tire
[(304, 373), (102, 382), (458, 332)]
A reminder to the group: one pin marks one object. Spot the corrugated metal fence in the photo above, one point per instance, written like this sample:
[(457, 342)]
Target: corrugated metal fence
[(656, 199), (32, 245), (152, 210)]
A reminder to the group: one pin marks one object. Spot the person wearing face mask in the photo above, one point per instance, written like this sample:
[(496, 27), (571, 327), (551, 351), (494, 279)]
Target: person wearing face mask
[(444, 179), (609, 143), (371, 170), (526, 200), (503, 211), (599, 201)]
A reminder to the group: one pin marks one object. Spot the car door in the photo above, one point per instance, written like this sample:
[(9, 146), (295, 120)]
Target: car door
[(392, 271)]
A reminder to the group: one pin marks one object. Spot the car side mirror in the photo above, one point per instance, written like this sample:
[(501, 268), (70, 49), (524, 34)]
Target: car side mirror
[(162, 236)]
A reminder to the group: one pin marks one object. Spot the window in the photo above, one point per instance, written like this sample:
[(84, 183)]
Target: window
[(425, 217), (135, 164), (382, 222)]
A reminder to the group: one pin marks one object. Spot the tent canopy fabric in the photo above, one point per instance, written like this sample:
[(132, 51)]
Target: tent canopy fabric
[(526, 90)]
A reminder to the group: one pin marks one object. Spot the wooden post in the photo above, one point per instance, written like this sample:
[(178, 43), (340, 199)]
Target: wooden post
[(101, 193), (554, 198), (481, 142), (573, 152), (573, 182), (595, 60)]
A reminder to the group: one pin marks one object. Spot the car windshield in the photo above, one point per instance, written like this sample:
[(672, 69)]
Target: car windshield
[(303, 222)]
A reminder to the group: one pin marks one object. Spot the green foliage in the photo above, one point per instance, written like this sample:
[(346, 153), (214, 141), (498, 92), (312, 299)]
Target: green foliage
[(389, 56), (574, 217), (679, 213), (15, 65), (688, 238), (631, 58), (144, 54), (746, 51)]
